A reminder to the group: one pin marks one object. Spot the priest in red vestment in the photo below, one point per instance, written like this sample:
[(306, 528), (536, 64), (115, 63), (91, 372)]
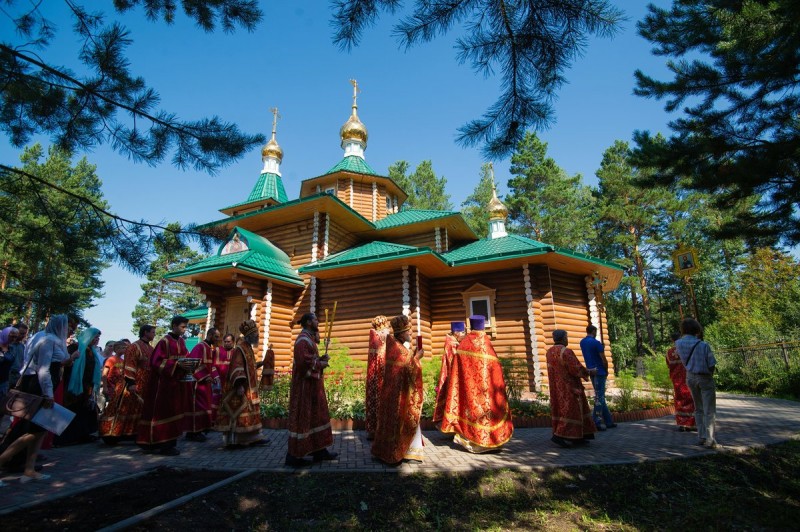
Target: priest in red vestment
[(684, 404), (239, 414), (121, 417), (267, 366), (376, 361), (451, 341), (476, 405), (199, 417), (398, 436), (168, 394), (309, 419), (569, 408)]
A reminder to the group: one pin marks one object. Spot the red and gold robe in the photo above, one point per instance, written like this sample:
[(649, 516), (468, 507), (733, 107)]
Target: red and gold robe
[(309, 420), (168, 398), (450, 348), (684, 404), (476, 405), (569, 408), (239, 416), (199, 417), (376, 362), (399, 405), (221, 364), (123, 411)]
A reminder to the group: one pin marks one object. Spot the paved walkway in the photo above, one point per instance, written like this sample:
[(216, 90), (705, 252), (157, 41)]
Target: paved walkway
[(742, 423)]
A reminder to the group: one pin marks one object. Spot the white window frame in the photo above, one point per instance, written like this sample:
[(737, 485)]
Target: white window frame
[(479, 292)]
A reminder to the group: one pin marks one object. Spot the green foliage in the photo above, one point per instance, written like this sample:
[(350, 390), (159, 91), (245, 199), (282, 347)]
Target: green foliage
[(657, 376), (163, 299), (531, 45), (53, 249), (735, 78), (424, 189), (544, 203), (346, 393), (761, 369), (474, 209), (275, 403), (626, 382)]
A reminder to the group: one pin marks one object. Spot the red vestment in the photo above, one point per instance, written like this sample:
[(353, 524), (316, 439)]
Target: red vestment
[(475, 404), (309, 420), (684, 404), (221, 363), (199, 417), (268, 370), (376, 362), (450, 348), (122, 413), (239, 416), (168, 398), (569, 408), (399, 405)]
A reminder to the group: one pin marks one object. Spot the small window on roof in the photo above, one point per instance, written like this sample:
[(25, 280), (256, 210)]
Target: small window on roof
[(331, 191)]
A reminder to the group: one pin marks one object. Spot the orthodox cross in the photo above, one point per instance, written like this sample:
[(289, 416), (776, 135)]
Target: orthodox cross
[(356, 90), (275, 117)]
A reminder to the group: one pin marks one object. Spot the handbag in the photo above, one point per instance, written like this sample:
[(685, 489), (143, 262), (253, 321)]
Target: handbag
[(21, 405)]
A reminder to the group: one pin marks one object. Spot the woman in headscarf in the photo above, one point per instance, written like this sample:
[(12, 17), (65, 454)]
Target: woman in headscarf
[(376, 362), (7, 336), (47, 353), (82, 381)]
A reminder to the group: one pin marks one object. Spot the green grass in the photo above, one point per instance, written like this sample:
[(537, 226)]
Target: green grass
[(759, 489)]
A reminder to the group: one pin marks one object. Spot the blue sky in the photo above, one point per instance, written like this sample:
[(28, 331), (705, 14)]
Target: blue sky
[(412, 103)]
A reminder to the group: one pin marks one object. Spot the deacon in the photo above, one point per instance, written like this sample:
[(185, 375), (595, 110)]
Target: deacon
[(476, 406), (376, 361), (199, 418), (398, 436), (239, 414), (451, 341), (571, 416), (309, 419), (121, 417), (168, 395)]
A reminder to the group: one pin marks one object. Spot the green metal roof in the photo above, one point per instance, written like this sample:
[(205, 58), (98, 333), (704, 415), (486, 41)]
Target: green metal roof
[(495, 249), (258, 243), (376, 251), (268, 186), (250, 261), (196, 313), (352, 163), (588, 258), (411, 216)]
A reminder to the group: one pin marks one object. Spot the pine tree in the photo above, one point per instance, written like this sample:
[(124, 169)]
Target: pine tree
[(531, 43), (474, 207), (52, 251), (424, 189), (162, 299), (544, 203), (736, 77)]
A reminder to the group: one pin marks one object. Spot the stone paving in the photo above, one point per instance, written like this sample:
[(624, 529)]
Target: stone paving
[(742, 422)]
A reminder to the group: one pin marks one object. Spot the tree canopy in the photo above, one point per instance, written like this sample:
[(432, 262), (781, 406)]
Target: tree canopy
[(531, 43), (475, 207), (424, 189), (736, 70)]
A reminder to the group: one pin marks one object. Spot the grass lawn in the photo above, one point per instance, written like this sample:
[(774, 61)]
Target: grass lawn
[(757, 490)]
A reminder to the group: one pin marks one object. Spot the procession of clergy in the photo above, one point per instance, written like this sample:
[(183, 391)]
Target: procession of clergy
[(157, 394)]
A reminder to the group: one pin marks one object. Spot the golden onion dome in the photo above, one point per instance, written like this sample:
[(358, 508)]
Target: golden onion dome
[(271, 149), (354, 129), (496, 207)]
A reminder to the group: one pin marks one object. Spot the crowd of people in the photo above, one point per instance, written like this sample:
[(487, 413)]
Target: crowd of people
[(154, 394)]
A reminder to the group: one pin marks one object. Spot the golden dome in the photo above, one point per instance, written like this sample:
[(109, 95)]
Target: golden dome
[(271, 149), (354, 129), (496, 207)]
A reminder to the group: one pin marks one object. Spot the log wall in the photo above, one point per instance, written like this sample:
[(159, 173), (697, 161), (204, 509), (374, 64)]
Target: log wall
[(426, 239), (339, 238), (294, 239)]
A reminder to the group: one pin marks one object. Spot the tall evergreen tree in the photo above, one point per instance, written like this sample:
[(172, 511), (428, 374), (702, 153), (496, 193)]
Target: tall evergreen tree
[(52, 251), (546, 204), (424, 189), (531, 43), (474, 207), (162, 299), (736, 70)]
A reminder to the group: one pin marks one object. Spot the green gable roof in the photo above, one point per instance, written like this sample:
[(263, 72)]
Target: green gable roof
[(410, 216), (366, 253), (250, 261), (496, 249), (352, 163), (258, 243), (196, 313)]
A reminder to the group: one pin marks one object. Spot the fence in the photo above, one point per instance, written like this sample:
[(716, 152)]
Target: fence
[(766, 368)]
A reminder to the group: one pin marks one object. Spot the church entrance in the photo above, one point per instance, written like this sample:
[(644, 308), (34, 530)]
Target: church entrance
[(237, 311)]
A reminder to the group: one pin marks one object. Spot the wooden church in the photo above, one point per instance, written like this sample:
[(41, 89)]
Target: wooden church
[(349, 240)]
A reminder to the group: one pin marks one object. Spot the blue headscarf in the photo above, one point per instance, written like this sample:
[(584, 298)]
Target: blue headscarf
[(85, 339), (5, 334)]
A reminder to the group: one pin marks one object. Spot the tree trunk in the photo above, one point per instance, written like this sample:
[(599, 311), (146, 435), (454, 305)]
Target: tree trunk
[(648, 316)]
